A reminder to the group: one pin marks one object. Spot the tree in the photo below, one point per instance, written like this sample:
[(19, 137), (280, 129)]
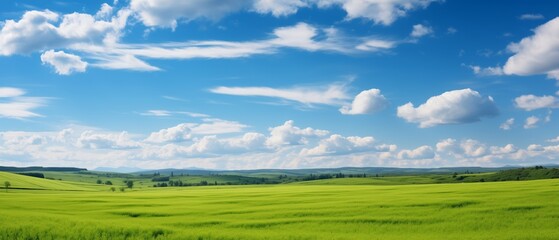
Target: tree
[(108, 182), (122, 189), (113, 189), (7, 185), (99, 181), (130, 183)]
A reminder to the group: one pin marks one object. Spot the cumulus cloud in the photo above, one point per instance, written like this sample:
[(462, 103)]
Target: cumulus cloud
[(93, 140), (181, 132), (452, 107), (536, 54), (473, 148), (531, 102), (507, 125), (186, 131), (368, 101), (167, 13), (37, 31), (90, 147), (337, 145), (422, 152), (420, 30), (383, 12), (288, 134), (468, 148), (14, 104), (507, 149), (279, 7), (96, 38), (63, 63), (531, 122)]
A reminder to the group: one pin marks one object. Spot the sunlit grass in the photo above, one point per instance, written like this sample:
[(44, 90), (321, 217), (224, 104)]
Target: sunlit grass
[(496, 210)]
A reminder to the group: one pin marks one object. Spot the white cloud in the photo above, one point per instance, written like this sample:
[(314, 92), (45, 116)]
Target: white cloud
[(507, 125), (16, 105), (422, 152), (119, 62), (217, 126), (529, 16), (373, 45), (278, 7), (531, 102), (420, 30), (452, 107), (105, 12), (554, 140), (473, 148), (333, 94), (288, 134), (507, 149), (379, 11), (301, 148), (531, 122), (63, 63), (96, 39), (36, 31), (167, 13), (9, 92), (93, 140), (337, 145), (166, 113), (464, 149), (537, 54), (487, 71), (300, 36), (33, 32), (368, 101), (181, 132), (186, 131), (157, 113)]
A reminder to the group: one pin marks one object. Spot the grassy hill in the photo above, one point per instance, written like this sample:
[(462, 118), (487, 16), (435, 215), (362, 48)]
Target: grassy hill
[(18, 181)]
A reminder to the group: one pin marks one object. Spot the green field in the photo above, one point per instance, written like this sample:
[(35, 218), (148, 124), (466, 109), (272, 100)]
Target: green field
[(324, 209)]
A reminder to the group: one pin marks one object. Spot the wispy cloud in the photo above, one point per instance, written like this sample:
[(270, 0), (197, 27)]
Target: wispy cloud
[(14, 104), (166, 113), (530, 16), (332, 94)]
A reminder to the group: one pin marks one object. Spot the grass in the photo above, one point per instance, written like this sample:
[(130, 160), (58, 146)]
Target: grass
[(490, 210)]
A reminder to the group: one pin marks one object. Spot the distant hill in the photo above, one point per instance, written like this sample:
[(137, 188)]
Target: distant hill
[(41, 169), (369, 171), (532, 173)]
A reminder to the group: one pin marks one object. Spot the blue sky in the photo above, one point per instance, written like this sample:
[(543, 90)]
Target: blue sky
[(249, 84)]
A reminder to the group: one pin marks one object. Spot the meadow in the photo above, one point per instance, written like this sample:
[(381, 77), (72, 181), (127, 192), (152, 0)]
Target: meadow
[(36, 208)]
